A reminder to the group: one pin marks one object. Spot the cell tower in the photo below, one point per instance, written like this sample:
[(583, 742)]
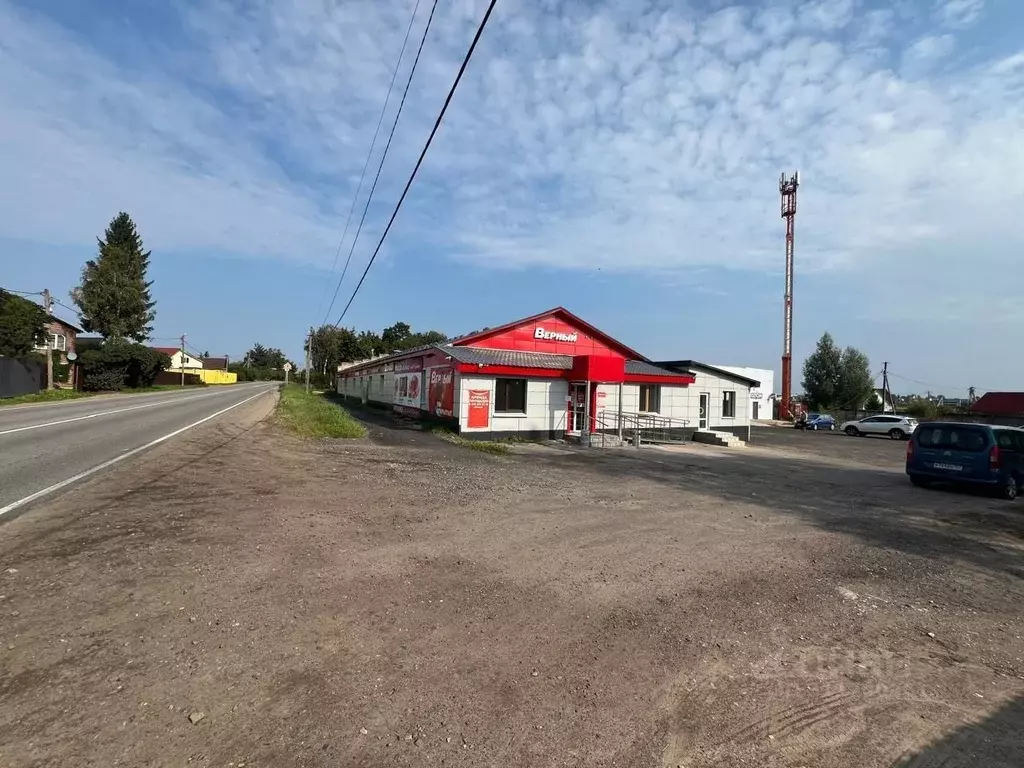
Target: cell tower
[(787, 189)]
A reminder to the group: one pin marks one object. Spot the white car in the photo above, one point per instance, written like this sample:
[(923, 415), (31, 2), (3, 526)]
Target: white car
[(896, 427)]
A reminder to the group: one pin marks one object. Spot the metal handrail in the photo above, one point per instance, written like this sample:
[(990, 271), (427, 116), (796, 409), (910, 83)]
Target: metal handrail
[(641, 427)]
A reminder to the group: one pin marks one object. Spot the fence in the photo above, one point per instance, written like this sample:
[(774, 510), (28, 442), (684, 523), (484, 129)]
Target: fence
[(20, 377), (171, 377)]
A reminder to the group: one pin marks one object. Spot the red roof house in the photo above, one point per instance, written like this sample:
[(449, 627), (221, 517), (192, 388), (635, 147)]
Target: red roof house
[(1000, 404)]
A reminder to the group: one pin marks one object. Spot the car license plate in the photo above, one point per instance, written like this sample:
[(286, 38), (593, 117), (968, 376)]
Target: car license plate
[(951, 467)]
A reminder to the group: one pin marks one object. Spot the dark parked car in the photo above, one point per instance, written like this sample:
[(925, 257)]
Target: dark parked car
[(967, 454), (815, 421)]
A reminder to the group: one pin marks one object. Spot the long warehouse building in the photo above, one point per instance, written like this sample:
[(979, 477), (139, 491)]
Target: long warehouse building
[(549, 376)]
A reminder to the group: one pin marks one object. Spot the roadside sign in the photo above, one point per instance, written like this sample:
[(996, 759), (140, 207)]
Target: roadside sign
[(287, 367)]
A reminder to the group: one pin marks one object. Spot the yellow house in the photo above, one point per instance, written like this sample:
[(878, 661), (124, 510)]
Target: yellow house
[(210, 370)]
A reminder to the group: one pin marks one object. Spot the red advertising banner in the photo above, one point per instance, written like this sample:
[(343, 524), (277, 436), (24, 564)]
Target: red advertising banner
[(479, 408), (412, 364), (441, 392)]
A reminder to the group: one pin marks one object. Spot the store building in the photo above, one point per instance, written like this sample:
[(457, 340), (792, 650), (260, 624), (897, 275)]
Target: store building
[(551, 375), (762, 396)]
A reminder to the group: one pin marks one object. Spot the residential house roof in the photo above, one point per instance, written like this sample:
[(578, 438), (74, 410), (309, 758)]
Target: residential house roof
[(172, 351), (65, 323), (1000, 404), (214, 363)]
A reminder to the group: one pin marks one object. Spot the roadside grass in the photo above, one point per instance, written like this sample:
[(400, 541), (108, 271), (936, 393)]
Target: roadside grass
[(45, 396), (484, 446), (60, 395), (316, 414)]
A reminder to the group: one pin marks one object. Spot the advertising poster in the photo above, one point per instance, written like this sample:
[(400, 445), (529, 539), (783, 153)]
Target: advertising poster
[(479, 408), (408, 389), (441, 396)]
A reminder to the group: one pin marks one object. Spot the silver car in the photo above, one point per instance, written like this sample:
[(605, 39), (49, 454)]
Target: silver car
[(895, 427)]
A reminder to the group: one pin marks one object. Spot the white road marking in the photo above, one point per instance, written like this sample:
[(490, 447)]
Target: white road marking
[(93, 470), (109, 413)]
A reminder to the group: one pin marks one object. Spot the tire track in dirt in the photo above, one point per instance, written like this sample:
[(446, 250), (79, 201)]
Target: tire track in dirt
[(791, 721)]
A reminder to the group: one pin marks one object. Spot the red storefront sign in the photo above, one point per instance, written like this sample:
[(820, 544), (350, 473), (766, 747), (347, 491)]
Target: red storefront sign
[(479, 408), (441, 392), (412, 364)]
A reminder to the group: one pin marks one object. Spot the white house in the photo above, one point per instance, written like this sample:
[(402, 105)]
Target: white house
[(179, 360)]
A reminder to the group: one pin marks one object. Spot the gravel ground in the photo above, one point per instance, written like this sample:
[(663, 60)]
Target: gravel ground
[(402, 601)]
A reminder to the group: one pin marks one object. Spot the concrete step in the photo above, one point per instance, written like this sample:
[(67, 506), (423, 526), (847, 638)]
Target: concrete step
[(722, 439)]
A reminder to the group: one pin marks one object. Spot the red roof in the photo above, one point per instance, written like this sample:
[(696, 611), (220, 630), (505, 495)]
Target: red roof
[(513, 335), (172, 351), (1000, 404)]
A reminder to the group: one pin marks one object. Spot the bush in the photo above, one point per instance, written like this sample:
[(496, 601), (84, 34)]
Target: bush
[(248, 373), (61, 371), (319, 381), (119, 364), (922, 409)]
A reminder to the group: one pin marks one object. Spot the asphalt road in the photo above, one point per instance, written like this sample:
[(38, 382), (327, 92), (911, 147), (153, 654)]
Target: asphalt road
[(42, 446), (877, 451)]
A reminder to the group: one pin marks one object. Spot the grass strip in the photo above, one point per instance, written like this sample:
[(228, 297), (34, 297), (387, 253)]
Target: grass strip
[(316, 414), (484, 446)]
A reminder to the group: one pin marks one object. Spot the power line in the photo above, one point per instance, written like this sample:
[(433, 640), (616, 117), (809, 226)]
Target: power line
[(419, 162), (69, 309), (932, 386), (23, 293), (380, 165), (369, 154)]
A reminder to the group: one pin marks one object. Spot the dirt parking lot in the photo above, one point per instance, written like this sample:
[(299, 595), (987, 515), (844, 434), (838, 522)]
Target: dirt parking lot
[(403, 601)]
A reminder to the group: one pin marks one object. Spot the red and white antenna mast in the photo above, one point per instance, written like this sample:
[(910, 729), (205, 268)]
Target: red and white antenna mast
[(787, 189)]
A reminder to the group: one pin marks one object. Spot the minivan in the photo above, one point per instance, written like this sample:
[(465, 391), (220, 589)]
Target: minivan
[(967, 454)]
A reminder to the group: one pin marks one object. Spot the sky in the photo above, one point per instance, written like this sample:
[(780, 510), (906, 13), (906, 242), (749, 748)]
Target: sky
[(618, 158)]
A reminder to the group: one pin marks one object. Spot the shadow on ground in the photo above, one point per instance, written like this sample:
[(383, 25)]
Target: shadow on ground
[(995, 742), (876, 505)]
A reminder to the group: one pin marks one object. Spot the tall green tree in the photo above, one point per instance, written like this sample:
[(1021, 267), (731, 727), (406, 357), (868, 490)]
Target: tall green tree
[(332, 346), (264, 357), (395, 336), (821, 373), (855, 384), (22, 325), (370, 345), (114, 295)]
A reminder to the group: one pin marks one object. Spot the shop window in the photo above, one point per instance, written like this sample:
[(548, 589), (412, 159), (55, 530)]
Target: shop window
[(728, 405), (650, 398), (510, 396)]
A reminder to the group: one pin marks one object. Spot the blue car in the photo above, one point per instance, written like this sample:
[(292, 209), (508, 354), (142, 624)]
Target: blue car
[(816, 421), (967, 454)]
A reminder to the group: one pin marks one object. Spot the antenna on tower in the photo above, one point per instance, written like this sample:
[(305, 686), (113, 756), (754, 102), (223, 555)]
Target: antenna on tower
[(787, 190)]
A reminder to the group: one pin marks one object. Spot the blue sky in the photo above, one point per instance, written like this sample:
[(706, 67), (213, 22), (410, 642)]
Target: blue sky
[(618, 158)]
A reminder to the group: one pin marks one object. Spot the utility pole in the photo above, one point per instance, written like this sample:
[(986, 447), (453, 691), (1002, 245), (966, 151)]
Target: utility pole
[(181, 360), (47, 305), (309, 348), (886, 392), (787, 189)]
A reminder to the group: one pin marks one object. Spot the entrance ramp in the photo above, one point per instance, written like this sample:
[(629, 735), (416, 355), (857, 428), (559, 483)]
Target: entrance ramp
[(613, 429)]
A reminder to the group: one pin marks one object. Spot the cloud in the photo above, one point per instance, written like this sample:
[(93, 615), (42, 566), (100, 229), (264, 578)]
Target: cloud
[(959, 13), (634, 137)]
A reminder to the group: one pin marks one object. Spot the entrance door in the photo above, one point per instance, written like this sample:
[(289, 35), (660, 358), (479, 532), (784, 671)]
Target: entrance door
[(577, 409), (755, 404), (702, 417)]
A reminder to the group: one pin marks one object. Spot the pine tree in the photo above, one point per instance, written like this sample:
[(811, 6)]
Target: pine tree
[(114, 296)]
